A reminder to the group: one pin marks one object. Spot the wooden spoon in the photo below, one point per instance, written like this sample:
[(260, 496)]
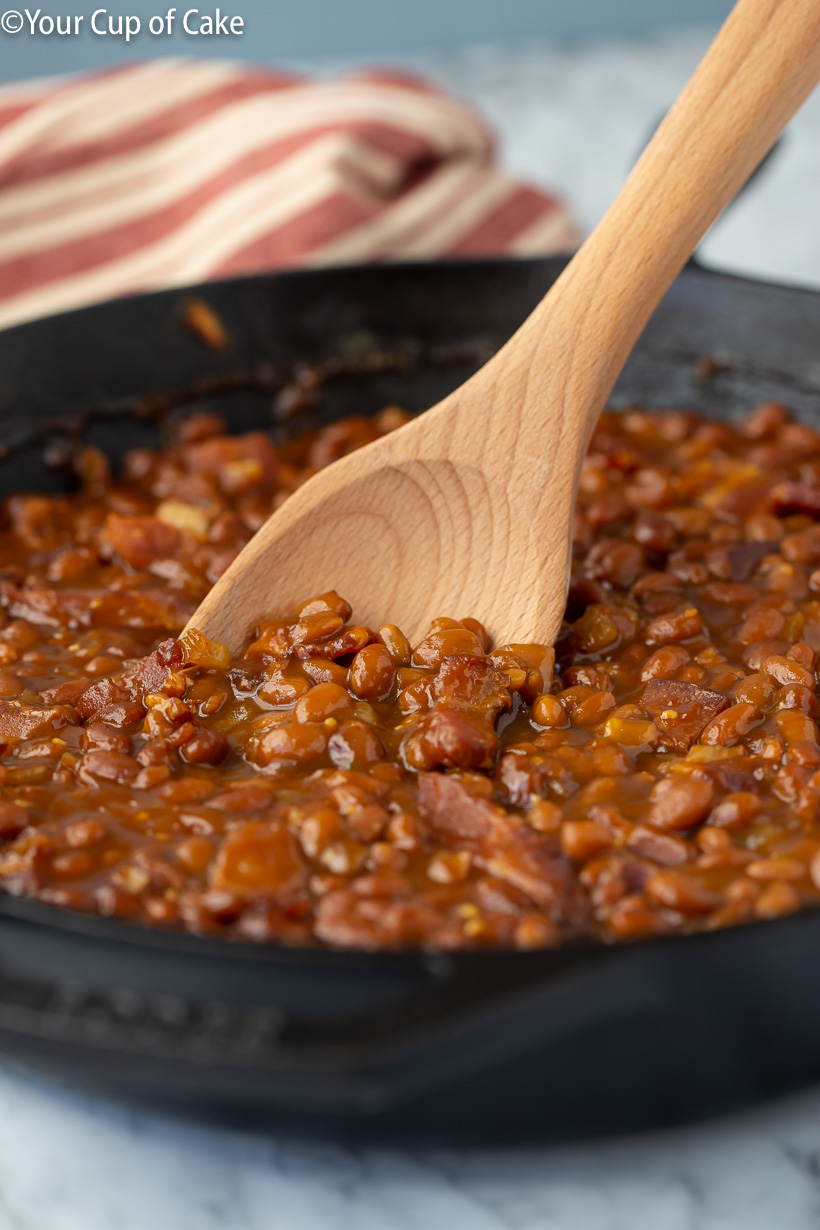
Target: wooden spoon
[(468, 509)]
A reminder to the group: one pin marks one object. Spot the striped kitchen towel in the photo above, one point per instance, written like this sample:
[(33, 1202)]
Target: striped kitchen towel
[(176, 171)]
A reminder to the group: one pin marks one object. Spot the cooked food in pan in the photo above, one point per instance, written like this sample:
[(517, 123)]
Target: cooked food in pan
[(336, 785)]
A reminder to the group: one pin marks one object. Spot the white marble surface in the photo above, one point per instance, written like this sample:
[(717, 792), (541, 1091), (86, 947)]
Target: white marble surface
[(575, 119), (70, 1164)]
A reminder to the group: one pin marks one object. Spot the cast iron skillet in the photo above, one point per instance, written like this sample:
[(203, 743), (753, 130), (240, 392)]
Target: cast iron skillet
[(473, 1046)]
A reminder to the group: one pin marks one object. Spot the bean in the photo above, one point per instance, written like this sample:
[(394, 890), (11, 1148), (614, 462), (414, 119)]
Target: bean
[(449, 867), (804, 752), (764, 421), (776, 900), (109, 766), (680, 802), (396, 644), (789, 783), (758, 690), (608, 510), (72, 865), (549, 712), (151, 777), (355, 746), (615, 561), (367, 823), (676, 891), (804, 654), (665, 663), (795, 727), (729, 727), (583, 839), (596, 629), (432, 651), (535, 931), (329, 601), (82, 833), (609, 760), (633, 918), (658, 847), (297, 744), (316, 626), (786, 671), (187, 790), (10, 685), (795, 696), (654, 532), (742, 890), (681, 626), (758, 627), (544, 816), (372, 672), (13, 820), (206, 747), (690, 571), (284, 688), (593, 709), (324, 701), (776, 869), (713, 840)]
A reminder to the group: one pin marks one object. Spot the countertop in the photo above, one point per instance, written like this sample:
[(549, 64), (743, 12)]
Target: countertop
[(72, 1164), (575, 119)]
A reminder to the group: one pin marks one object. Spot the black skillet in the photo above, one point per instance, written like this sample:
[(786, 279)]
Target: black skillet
[(474, 1046)]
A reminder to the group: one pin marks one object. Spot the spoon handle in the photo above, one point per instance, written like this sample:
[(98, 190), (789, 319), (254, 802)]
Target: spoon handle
[(762, 65), (517, 432)]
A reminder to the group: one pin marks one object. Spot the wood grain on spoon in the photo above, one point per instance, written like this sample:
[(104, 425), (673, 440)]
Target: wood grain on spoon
[(468, 509)]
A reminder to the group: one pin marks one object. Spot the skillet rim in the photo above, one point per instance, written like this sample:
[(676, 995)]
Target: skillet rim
[(385, 268)]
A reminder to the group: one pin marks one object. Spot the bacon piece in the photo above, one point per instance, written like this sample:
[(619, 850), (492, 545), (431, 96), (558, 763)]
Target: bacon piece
[(33, 721), (101, 694), (526, 778), (502, 844), (680, 710), (141, 540), (124, 713), (81, 608), (116, 700), (788, 498), (66, 693), (465, 682), (238, 463), (734, 774), (452, 739), (348, 640), (153, 671), (744, 558)]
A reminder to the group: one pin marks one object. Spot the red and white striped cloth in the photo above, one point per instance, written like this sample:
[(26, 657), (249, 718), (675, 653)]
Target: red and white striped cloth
[(176, 171)]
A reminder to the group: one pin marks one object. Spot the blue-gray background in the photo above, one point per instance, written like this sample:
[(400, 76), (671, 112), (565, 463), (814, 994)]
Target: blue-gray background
[(278, 31)]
